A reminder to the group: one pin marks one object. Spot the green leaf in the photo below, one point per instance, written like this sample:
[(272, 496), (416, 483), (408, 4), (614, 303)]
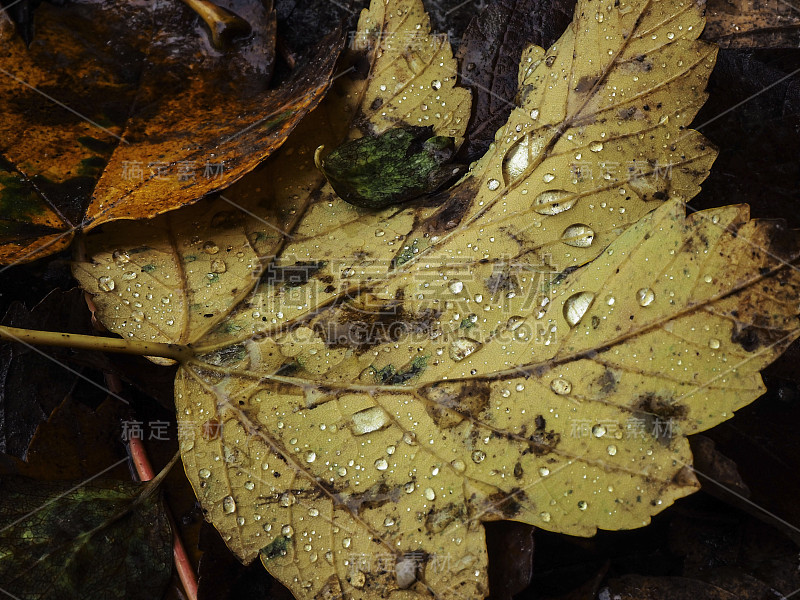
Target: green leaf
[(100, 540), (396, 166)]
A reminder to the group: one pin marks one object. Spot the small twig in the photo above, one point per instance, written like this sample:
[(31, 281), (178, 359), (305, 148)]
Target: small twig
[(224, 25), (90, 342), (145, 471), (182, 563)]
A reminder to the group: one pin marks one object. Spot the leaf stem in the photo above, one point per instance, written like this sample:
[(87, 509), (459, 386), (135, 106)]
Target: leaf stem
[(145, 471), (90, 342)]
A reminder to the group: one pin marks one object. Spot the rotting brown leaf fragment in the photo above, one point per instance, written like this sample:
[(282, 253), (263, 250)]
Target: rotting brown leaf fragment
[(98, 139)]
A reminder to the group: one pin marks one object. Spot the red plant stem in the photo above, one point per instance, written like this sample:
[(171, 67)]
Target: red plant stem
[(182, 563), (145, 470)]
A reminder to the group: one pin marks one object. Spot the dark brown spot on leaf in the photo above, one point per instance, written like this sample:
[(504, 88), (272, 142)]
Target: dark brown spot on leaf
[(450, 403), (438, 520), (212, 429)]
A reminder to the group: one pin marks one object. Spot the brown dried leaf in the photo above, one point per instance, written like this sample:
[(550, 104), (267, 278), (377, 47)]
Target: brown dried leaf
[(753, 23), (150, 125)]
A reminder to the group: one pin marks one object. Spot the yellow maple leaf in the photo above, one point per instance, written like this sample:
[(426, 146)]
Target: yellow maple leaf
[(536, 348)]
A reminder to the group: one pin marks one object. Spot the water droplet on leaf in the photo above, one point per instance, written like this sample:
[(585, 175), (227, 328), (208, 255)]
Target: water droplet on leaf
[(120, 257), (553, 202), (105, 283), (456, 287), (576, 306), (462, 348), (561, 386), (369, 420), (645, 296), (578, 235)]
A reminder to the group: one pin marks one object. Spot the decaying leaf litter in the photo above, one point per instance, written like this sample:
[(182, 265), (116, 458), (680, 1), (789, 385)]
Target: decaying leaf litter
[(101, 539), (537, 295), (71, 526), (141, 124), (502, 307)]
